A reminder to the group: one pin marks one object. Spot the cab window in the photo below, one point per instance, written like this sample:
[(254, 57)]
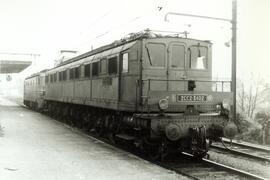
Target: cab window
[(156, 54), (177, 56), (198, 57)]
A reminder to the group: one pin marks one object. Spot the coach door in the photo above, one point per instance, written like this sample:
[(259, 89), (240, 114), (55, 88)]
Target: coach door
[(176, 66)]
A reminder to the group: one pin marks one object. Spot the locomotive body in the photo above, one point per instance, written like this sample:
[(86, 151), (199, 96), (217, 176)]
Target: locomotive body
[(156, 91)]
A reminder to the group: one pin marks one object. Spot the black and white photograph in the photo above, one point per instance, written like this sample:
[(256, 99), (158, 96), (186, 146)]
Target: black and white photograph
[(128, 90)]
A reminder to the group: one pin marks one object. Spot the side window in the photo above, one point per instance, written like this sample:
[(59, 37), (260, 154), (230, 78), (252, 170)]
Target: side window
[(103, 66), (177, 56), (81, 70), (112, 65), (51, 78), (46, 79), (156, 54), (95, 69), (55, 77), (65, 75), (60, 75), (71, 73), (77, 72), (125, 63), (87, 70), (198, 57)]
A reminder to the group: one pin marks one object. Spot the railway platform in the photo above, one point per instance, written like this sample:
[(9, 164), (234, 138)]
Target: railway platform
[(34, 146)]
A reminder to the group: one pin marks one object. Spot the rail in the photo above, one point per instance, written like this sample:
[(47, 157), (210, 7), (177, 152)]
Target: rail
[(247, 145), (240, 152), (229, 169)]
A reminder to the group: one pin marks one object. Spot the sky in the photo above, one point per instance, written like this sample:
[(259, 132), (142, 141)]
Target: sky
[(47, 26)]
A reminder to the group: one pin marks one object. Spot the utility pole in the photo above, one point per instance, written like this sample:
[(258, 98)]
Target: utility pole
[(234, 35), (233, 21)]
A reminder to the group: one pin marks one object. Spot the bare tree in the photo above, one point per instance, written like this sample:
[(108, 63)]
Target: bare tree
[(247, 101)]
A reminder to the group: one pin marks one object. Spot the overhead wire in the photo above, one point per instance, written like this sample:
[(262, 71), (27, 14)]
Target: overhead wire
[(112, 29), (159, 8)]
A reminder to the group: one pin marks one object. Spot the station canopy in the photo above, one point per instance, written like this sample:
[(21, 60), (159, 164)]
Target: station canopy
[(15, 62), (8, 67)]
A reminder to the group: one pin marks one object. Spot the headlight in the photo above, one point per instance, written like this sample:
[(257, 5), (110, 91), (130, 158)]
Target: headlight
[(218, 107), (226, 104), (163, 104)]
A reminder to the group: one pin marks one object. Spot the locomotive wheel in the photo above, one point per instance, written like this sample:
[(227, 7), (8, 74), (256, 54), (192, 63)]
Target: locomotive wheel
[(111, 137), (156, 151), (111, 128), (202, 145), (99, 126)]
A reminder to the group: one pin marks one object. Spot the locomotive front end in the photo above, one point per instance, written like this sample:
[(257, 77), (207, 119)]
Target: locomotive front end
[(190, 120), (184, 107)]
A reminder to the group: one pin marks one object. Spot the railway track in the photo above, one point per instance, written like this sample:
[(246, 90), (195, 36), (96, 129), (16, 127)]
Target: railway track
[(258, 153), (187, 165), (206, 169)]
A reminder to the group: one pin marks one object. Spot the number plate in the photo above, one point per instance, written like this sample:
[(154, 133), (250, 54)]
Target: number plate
[(191, 98)]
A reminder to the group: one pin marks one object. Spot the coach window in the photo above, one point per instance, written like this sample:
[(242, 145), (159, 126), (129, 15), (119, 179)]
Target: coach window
[(177, 56), (95, 68), (87, 70), (112, 65), (124, 62), (197, 57), (156, 54), (77, 72), (103, 66)]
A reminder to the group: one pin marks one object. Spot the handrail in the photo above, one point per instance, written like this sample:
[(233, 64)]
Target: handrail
[(185, 80), (223, 83)]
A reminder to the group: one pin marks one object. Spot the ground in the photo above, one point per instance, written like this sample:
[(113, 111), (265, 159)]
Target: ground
[(34, 146)]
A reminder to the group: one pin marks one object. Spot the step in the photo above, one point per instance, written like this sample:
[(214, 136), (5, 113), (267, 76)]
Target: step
[(125, 137)]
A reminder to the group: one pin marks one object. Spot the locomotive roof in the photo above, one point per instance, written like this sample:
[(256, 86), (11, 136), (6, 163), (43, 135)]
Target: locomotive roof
[(147, 34), (36, 74)]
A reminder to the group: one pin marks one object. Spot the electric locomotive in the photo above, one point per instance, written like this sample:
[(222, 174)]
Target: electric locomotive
[(151, 90)]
